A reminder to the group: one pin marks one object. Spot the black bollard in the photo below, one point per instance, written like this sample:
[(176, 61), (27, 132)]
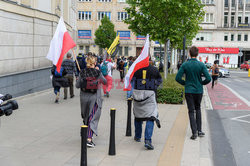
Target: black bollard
[(112, 132), (128, 130), (84, 145)]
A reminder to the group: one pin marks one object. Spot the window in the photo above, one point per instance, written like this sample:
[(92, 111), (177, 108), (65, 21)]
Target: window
[(239, 20), (209, 18), (245, 37), (247, 4), (85, 0), (226, 3), (240, 4), (122, 16), (204, 36), (121, 0), (126, 51), (104, 0), (102, 14), (246, 20), (233, 3), (208, 1), (81, 48), (239, 37), (84, 15), (226, 37), (232, 19), (232, 37), (119, 51), (225, 19), (87, 49)]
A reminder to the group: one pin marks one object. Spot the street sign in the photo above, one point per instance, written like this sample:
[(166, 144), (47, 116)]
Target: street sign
[(240, 54)]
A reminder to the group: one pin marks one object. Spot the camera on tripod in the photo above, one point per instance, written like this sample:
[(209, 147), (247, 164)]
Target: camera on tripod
[(8, 107)]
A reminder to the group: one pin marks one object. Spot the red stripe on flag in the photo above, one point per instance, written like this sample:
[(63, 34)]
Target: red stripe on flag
[(68, 43)]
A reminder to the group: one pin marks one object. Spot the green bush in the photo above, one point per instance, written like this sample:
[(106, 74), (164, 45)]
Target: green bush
[(171, 91)]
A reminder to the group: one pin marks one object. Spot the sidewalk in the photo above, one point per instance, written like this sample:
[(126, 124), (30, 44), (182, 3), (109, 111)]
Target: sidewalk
[(42, 133)]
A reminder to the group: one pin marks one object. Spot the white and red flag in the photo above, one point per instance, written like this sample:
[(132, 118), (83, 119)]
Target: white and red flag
[(141, 62), (60, 45)]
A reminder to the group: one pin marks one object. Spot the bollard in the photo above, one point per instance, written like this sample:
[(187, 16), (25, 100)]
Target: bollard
[(112, 132), (84, 145), (248, 72), (128, 130)]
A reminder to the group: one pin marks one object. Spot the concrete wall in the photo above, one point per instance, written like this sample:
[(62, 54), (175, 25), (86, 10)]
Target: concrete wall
[(24, 83)]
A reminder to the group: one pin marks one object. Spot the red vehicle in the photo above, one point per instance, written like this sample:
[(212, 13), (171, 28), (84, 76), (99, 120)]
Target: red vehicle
[(245, 66)]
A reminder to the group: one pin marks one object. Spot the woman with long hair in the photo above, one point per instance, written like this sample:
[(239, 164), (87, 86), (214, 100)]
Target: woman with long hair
[(89, 82)]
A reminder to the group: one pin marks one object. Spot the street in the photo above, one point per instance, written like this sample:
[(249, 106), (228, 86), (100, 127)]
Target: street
[(229, 120)]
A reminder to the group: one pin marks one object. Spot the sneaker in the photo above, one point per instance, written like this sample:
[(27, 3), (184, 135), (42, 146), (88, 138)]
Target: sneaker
[(148, 145), (193, 137), (90, 144), (107, 94), (137, 139), (65, 98), (56, 101), (72, 96), (201, 134)]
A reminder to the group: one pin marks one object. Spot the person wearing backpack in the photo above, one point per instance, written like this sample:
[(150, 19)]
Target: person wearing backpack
[(106, 69), (89, 81), (215, 73), (58, 81)]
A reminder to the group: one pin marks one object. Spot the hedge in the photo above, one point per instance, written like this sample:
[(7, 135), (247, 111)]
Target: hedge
[(171, 91)]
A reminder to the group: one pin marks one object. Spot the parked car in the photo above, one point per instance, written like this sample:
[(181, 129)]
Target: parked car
[(245, 65), (208, 65), (223, 72)]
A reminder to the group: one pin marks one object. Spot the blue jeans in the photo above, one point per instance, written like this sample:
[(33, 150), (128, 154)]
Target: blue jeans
[(148, 130), (56, 89)]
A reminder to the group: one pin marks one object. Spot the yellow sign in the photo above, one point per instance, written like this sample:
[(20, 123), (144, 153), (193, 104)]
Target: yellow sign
[(144, 73)]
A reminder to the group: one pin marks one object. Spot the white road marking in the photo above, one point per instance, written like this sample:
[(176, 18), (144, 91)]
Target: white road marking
[(240, 120), (238, 80), (240, 97), (227, 80)]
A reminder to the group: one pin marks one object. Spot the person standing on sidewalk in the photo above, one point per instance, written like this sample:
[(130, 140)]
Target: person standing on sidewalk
[(106, 68), (121, 69), (89, 82), (69, 65), (215, 73), (193, 70), (145, 83)]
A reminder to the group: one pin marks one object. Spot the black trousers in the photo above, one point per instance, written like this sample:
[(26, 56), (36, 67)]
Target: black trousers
[(121, 74), (194, 111), (214, 78)]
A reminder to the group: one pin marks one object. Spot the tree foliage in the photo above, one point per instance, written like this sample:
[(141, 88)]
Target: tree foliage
[(165, 19), (105, 34)]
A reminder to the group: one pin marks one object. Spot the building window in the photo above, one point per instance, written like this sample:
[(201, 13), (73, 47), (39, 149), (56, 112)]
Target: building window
[(85, 0), (121, 0), (240, 4), (239, 37), (208, 1), (233, 3), (122, 16), (119, 51), (81, 48), (84, 15), (245, 37), (225, 19), (226, 3), (102, 14), (246, 20), (225, 37), (239, 20), (87, 49), (232, 37), (232, 19), (247, 5), (204, 36), (209, 18), (126, 51), (104, 0)]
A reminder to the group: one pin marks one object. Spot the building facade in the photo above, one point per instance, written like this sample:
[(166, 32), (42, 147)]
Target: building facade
[(90, 13), (26, 29), (225, 32)]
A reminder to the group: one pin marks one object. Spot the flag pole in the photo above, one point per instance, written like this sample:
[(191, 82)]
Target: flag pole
[(74, 55)]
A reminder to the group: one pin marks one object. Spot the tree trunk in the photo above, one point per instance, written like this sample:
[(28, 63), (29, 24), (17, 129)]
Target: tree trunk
[(166, 58)]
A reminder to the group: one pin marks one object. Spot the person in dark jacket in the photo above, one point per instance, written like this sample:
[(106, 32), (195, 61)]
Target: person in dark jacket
[(145, 83), (82, 63), (69, 65), (193, 70), (58, 81)]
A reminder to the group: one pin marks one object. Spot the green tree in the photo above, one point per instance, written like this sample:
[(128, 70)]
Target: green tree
[(165, 21), (105, 34)]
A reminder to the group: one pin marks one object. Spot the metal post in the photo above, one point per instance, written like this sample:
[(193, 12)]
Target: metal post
[(84, 145), (128, 130), (184, 49), (112, 132)]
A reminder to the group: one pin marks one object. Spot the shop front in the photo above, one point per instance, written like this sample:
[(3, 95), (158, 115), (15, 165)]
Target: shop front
[(227, 57)]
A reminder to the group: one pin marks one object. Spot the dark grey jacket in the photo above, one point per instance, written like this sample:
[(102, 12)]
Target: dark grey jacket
[(69, 66)]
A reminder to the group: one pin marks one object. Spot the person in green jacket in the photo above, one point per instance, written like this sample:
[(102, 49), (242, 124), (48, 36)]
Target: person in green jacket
[(194, 70)]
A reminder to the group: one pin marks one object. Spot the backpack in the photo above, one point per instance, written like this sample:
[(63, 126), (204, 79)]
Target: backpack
[(89, 81), (104, 68), (216, 70)]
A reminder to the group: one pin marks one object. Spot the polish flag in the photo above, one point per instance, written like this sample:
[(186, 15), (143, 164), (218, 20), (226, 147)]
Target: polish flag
[(60, 45), (141, 62)]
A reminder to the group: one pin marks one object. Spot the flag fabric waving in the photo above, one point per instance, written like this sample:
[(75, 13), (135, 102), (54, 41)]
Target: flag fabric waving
[(141, 62), (60, 44), (113, 49)]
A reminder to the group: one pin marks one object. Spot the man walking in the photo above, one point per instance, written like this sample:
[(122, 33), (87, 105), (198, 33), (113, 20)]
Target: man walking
[(193, 70), (69, 65), (145, 83)]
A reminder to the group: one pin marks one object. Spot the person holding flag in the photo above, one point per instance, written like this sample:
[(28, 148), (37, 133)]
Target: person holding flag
[(60, 44), (146, 79)]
